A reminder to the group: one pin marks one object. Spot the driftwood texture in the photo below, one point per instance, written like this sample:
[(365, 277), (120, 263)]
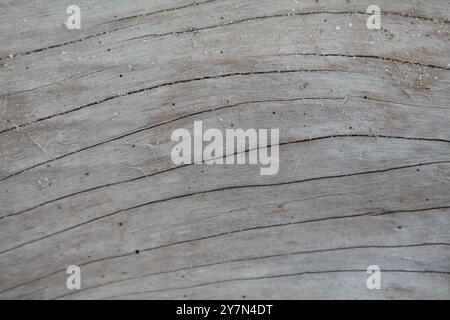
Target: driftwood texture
[(85, 171)]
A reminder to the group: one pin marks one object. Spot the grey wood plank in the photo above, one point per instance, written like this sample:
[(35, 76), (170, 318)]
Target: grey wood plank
[(92, 169), (86, 176), (35, 25), (53, 138), (327, 263), (173, 229), (196, 55)]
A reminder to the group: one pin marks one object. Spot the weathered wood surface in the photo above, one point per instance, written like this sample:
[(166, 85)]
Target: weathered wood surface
[(86, 176)]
